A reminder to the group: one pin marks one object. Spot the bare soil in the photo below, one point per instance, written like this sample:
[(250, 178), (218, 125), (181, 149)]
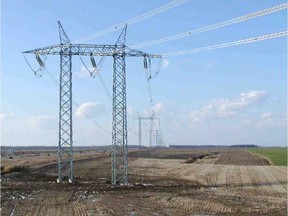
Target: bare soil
[(222, 182)]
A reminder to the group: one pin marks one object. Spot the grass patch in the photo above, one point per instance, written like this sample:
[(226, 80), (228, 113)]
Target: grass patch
[(277, 155)]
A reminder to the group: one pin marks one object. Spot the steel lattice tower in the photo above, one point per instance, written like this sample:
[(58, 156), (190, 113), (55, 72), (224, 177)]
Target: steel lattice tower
[(119, 52), (119, 124), (65, 146), (151, 121)]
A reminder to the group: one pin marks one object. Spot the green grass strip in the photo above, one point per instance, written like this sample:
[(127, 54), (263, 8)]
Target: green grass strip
[(277, 155)]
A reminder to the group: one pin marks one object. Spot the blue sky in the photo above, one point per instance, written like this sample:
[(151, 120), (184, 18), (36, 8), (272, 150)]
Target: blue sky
[(227, 96)]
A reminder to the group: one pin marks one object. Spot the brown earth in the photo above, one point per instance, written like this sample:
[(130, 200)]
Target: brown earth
[(197, 182)]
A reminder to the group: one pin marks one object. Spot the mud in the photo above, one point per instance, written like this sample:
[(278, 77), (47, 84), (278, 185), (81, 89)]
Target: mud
[(209, 186)]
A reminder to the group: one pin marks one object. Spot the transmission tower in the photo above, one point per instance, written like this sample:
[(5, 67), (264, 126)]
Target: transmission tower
[(158, 139), (119, 51), (151, 120)]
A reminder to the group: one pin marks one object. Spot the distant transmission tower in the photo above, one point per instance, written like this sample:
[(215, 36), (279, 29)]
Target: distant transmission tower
[(119, 51), (151, 120)]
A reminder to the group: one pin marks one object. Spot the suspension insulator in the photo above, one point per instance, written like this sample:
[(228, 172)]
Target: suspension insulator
[(145, 63), (39, 60), (93, 61)]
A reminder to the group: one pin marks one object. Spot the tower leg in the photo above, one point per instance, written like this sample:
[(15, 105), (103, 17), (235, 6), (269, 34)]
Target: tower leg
[(139, 135), (65, 147), (151, 133), (119, 123)]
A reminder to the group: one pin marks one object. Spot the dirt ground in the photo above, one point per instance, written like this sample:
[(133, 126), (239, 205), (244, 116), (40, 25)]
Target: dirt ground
[(162, 182)]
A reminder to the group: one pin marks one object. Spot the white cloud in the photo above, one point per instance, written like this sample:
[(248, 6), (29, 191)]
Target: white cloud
[(246, 122), (158, 108), (165, 63), (266, 115), (222, 108), (83, 72), (130, 111), (269, 120), (93, 109), (42, 122), (7, 115)]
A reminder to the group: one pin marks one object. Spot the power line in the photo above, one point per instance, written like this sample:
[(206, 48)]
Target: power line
[(104, 86), (98, 69), (134, 20), (91, 119), (76, 104), (234, 43), (215, 26)]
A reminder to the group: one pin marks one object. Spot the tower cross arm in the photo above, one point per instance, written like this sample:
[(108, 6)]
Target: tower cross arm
[(49, 50), (94, 49), (91, 49), (77, 49), (137, 53)]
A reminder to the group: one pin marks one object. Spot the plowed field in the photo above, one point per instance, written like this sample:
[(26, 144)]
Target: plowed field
[(218, 182)]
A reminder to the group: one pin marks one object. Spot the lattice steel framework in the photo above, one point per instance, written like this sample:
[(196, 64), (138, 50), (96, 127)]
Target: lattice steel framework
[(119, 132), (139, 133), (151, 121), (119, 125), (65, 145)]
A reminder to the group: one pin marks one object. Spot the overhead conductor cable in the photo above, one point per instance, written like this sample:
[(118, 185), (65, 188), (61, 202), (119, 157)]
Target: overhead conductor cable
[(77, 104), (151, 13), (229, 44), (215, 26)]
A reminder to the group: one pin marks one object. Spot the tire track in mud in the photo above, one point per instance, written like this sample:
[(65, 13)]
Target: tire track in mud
[(75, 202), (95, 206), (278, 177), (43, 208), (108, 209), (221, 176), (217, 175), (62, 208), (39, 206), (267, 182), (282, 170), (81, 208), (201, 177), (254, 186), (9, 207), (247, 181), (90, 209), (235, 177), (211, 177), (239, 177), (75, 207), (215, 204), (26, 207), (227, 182), (197, 205), (274, 183), (261, 187), (186, 170), (13, 209), (117, 201), (43, 211)]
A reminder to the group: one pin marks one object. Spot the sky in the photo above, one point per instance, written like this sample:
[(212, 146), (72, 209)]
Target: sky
[(234, 95)]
